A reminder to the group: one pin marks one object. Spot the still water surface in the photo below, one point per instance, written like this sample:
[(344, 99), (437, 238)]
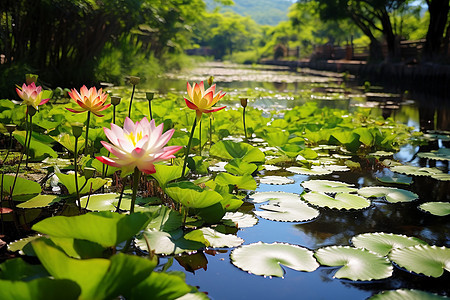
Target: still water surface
[(212, 271)]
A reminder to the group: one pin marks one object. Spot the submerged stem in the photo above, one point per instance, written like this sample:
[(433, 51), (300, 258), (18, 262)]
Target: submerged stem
[(189, 146)]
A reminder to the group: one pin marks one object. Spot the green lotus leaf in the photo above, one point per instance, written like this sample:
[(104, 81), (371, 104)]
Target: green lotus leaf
[(276, 180), (261, 197), (238, 167), (246, 182), (382, 243), (105, 202), (192, 196), (92, 184), (418, 171), (405, 294), (287, 211), (266, 259), (440, 154), (23, 186), (340, 200), (436, 208), (400, 179), (422, 259), (17, 269), (159, 286), (357, 264), (78, 248), (392, 195), (98, 278), (39, 289), (277, 138), (68, 142), (105, 228), (39, 145), (239, 220), (164, 174), (214, 238), (167, 242), (23, 245), (315, 170), (327, 186), (198, 164), (40, 201), (229, 150), (164, 219)]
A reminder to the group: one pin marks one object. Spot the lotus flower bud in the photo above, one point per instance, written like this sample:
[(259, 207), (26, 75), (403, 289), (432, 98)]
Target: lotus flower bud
[(77, 129), (244, 102), (115, 100), (210, 80), (135, 80), (31, 78), (10, 127), (88, 172), (149, 96)]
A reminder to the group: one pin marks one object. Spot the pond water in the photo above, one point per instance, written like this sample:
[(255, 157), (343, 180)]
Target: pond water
[(213, 272)]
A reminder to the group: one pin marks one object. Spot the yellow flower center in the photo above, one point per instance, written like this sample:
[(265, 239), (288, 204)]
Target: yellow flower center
[(134, 138)]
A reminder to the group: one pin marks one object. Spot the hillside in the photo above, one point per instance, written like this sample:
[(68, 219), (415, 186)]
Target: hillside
[(264, 12)]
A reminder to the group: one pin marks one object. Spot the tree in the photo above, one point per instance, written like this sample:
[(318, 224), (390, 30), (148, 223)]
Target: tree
[(438, 11)]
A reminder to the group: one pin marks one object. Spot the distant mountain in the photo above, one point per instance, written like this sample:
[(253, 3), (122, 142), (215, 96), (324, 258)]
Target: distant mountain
[(264, 12)]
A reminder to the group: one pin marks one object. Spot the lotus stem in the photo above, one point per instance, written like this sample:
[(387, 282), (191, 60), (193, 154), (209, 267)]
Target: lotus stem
[(28, 143), (149, 99), (188, 147), (11, 129), (243, 120), (200, 136), (120, 197), (131, 101), (136, 177), (21, 156), (75, 165), (210, 132), (87, 133)]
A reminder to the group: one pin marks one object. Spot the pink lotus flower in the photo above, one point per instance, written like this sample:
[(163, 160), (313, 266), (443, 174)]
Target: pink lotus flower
[(89, 100), (31, 95), (201, 100), (139, 144)]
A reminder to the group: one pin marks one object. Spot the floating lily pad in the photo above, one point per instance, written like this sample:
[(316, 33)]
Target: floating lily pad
[(357, 264), (381, 153), (441, 154), (336, 168), (277, 180), (340, 200), (315, 170), (167, 242), (436, 208), (106, 202), (382, 243), (40, 201), (240, 220), (266, 259), (422, 259), (399, 179), (404, 294), (271, 167), (328, 186), (293, 210), (392, 195), (215, 239), (24, 245), (418, 171), (261, 197)]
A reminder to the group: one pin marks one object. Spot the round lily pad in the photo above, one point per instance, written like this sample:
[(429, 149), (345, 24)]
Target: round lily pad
[(328, 186), (220, 240), (418, 171), (277, 180), (405, 294), (340, 200), (382, 243), (238, 219), (392, 195), (261, 197), (357, 264), (422, 259), (441, 154), (315, 170), (436, 208), (288, 211), (266, 259), (399, 179)]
